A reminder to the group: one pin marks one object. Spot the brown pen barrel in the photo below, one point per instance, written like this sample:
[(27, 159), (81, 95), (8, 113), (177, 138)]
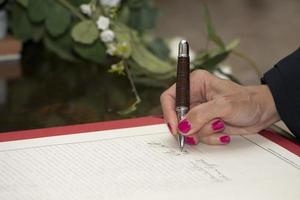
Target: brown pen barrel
[(183, 82)]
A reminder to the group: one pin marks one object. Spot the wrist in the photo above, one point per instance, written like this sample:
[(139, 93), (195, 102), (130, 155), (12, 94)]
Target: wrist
[(264, 98)]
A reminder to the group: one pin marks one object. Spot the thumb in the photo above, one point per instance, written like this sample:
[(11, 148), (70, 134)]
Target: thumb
[(198, 116)]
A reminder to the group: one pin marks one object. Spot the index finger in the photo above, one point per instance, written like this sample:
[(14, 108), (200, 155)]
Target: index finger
[(167, 100)]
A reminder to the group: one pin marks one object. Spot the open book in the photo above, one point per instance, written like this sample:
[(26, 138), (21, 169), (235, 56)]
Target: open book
[(145, 163)]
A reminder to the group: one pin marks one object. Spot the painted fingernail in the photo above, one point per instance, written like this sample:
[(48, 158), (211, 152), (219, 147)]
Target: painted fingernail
[(225, 139), (217, 125), (190, 140), (184, 126), (170, 128)]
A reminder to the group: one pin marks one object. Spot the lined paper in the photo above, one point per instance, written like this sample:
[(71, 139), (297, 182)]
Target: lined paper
[(145, 163)]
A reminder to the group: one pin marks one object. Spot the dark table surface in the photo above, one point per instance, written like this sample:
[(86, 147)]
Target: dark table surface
[(53, 92)]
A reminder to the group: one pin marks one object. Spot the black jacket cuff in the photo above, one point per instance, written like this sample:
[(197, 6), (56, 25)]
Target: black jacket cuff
[(284, 83)]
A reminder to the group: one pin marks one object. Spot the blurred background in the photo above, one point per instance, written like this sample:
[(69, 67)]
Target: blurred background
[(268, 29), (51, 77)]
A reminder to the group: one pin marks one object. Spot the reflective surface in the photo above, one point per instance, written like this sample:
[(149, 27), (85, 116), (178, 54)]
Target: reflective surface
[(53, 92)]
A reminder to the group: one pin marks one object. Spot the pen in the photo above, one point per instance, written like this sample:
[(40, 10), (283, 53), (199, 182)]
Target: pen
[(182, 85)]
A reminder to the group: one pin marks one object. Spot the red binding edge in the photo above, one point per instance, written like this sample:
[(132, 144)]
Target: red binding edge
[(125, 123), (80, 128)]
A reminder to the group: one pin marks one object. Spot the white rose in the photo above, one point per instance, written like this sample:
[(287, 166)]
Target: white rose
[(103, 23), (86, 9), (107, 36), (110, 3)]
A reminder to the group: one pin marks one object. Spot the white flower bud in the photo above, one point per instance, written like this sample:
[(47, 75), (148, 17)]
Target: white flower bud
[(107, 36), (103, 23), (109, 3), (86, 9), (111, 49)]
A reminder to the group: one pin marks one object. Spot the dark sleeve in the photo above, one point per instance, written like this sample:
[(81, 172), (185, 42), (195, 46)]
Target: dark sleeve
[(284, 83)]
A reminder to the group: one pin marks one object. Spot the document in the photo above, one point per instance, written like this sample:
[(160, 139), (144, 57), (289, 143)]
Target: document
[(145, 163)]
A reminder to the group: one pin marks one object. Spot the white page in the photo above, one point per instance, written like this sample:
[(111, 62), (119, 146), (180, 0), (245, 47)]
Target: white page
[(145, 163)]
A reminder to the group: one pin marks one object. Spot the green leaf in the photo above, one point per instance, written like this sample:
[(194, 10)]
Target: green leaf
[(143, 19), (159, 48), (232, 45), (212, 62), (85, 32), (20, 24), (37, 10), (23, 2), (58, 20), (61, 46), (95, 52), (37, 32), (77, 3), (212, 35), (146, 60)]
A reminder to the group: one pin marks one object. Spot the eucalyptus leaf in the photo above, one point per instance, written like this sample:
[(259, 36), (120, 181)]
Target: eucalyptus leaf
[(138, 71), (23, 2), (58, 20), (143, 19), (212, 62), (123, 15), (146, 60), (37, 33), (95, 52), (142, 57), (232, 45), (137, 4), (159, 48), (85, 32), (123, 36), (37, 10), (20, 24), (77, 3), (61, 46)]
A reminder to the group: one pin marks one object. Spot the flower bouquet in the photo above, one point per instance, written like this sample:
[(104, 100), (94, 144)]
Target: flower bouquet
[(114, 35)]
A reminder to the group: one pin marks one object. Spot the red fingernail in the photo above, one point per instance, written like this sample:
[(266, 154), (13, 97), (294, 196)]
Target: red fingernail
[(217, 125), (190, 140), (225, 139), (170, 128), (184, 126)]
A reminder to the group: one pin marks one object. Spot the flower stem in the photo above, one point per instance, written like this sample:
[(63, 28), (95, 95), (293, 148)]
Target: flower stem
[(249, 60), (72, 9), (134, 90)]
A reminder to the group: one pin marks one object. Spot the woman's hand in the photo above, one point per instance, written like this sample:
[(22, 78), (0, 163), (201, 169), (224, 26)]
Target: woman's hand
[(220, 108)]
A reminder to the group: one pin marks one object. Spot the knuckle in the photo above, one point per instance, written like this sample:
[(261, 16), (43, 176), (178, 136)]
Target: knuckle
[(200, 73)]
